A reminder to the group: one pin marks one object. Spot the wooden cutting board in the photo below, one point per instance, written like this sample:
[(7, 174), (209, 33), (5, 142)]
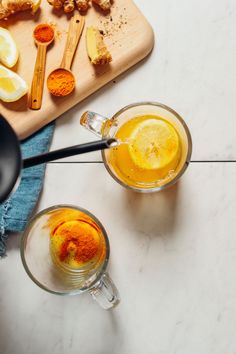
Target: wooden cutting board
[(128, 36)]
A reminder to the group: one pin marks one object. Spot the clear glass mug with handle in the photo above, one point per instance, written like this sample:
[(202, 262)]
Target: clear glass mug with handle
[(155, 145), (65, 251)]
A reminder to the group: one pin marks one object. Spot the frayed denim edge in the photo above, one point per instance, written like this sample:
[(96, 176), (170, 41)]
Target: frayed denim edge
[(3, 235)]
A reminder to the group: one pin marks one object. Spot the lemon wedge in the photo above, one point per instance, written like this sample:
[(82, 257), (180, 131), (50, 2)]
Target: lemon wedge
[(12, 86), (8, 51), (154, 145)]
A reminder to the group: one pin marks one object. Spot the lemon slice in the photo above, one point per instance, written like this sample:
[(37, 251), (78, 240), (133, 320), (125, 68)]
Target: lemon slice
[(155, 145), (8, 50), (12, 86)]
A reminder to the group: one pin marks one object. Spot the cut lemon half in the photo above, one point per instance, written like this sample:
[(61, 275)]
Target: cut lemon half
[(12, 86), (8, 51), (154, 145)]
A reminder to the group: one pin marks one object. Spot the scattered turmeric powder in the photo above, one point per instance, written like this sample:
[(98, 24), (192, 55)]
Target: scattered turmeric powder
[(61, 82)]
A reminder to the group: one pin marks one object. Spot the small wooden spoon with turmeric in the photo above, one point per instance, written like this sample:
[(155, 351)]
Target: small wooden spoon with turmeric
[(61, 81), (43, 36)]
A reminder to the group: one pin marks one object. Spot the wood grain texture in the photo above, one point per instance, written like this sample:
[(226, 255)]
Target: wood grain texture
[(128, 36), (37, 85), (75, 30)]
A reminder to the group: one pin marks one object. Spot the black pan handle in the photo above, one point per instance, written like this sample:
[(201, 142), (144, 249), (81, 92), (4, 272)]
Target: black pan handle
[(70, 151)]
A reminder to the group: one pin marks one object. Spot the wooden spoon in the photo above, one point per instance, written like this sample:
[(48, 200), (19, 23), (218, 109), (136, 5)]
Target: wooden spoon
[(39, 73), (74, 33)]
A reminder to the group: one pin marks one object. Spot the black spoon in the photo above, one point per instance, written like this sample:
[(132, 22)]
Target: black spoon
[(11, 161)]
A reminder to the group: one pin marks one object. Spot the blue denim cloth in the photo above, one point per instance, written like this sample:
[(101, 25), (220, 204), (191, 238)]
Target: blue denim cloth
[(15, 212)]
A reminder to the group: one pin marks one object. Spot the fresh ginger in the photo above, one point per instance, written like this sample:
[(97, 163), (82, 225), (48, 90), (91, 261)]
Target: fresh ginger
[(57, 4), (96, 48), (82, 5), (104, 4), (8, 7), (69, 6)]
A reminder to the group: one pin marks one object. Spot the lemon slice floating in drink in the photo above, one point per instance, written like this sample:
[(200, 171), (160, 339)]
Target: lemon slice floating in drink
[(154, 145), (8, 51)]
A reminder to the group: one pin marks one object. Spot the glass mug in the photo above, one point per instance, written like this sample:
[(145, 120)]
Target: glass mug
[(65, 251), (154, 145)]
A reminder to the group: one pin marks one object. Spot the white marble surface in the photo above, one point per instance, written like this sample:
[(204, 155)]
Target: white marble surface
[(191, 69), (172, 257)]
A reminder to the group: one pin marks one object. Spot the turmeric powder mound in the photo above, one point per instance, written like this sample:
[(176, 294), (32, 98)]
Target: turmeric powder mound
[(61, 82), (43, 33), (75, 239), (75, 243)]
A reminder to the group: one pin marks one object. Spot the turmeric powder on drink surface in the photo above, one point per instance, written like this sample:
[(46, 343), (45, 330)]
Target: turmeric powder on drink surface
[(75, 239), (60, 82), (78, 242)]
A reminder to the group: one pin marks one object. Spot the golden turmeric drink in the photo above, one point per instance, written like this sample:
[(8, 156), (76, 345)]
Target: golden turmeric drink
[(149, 154)]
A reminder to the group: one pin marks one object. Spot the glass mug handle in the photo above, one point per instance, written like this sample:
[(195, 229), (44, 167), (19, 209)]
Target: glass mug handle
[(96, 123), (105, 292)]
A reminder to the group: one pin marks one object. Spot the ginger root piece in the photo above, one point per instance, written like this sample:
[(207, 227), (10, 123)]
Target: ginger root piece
[(96, 48), (104, 4), (69, 6), (82, 5), (4, 13), (57, 4), (8, 7)]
